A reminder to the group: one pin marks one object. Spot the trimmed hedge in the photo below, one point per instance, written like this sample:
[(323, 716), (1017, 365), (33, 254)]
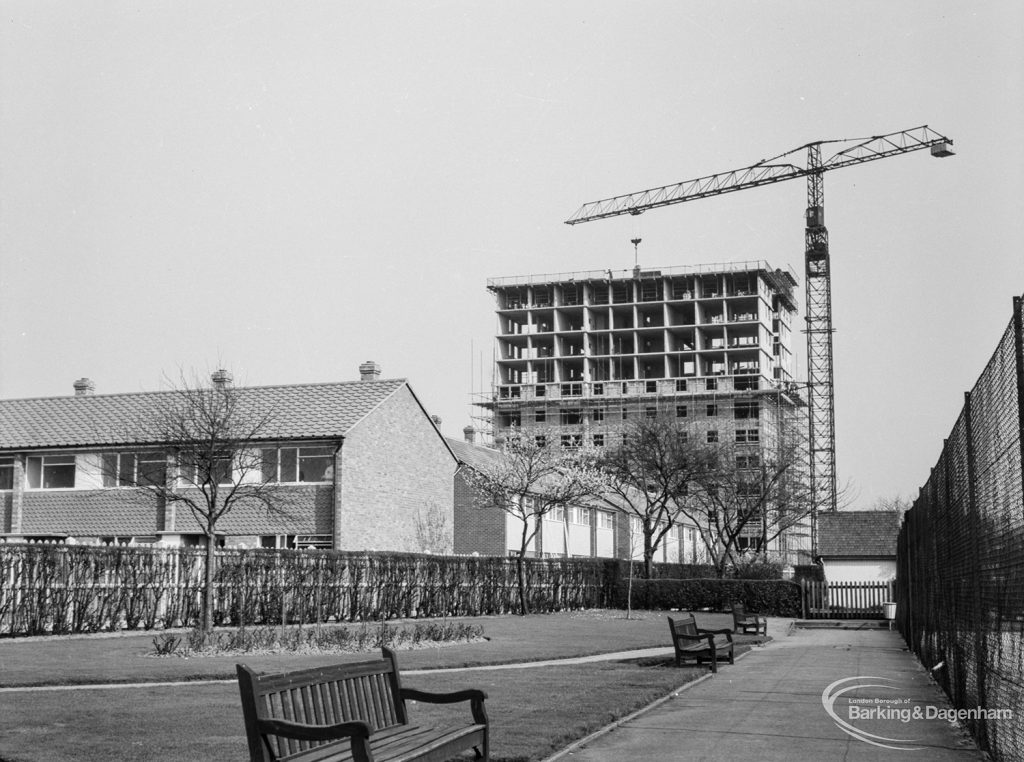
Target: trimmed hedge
[(811, 572), (769, 597)]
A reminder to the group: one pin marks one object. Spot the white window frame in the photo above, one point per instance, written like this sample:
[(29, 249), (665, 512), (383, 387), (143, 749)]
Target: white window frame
[(137, 457), (326, 451), (7, 463), (53, 459)]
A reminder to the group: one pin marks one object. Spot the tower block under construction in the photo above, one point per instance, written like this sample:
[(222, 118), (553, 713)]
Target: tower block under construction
[(578, 353)]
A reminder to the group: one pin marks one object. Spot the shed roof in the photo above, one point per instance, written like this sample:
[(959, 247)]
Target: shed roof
[(853, 534), (299, 411)]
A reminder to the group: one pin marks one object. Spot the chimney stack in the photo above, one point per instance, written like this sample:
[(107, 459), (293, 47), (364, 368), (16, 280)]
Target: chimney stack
[(469, 434), (84, 387), (221, 379), (369, 371)]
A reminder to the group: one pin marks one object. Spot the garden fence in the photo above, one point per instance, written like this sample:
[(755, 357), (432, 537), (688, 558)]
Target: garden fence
[(960, 579)]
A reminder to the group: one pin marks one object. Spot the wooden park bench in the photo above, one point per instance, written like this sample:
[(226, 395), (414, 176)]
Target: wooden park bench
[(691, 642), (741, 620), (351, 712)]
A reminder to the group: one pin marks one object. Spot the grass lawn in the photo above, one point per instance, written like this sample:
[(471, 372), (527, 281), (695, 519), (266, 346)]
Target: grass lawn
[(128, 658), (534, 711)]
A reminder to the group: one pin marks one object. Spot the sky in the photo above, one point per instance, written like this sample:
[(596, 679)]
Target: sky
[(291, 189)]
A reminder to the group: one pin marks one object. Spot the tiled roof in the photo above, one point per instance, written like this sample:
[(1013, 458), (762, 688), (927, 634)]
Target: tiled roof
[(298, 411), (110, 512), (473, 455), (858, 533)]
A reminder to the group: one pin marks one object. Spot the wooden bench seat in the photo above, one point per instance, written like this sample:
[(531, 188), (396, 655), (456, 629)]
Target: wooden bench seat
[(352, 712), (742, 621), (691, 642)]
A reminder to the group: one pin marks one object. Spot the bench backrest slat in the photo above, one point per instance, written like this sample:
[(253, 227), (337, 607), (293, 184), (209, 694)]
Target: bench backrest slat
[(366, 691), (686, 625)]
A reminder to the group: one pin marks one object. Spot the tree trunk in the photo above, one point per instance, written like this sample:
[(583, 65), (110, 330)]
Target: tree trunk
[(211, 559), (521, 570), (648, 554)]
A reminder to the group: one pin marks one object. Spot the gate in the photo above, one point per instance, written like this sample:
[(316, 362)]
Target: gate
[(846, 600)]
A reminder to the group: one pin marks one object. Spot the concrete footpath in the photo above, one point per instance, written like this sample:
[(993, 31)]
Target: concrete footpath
[(770, 706)]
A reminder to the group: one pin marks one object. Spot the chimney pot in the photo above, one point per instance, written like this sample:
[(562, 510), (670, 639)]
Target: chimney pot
[(369, 371), (436, 419), (84, 387), (469, 434)]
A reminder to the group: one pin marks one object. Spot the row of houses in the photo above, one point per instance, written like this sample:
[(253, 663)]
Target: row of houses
[(357, 465)]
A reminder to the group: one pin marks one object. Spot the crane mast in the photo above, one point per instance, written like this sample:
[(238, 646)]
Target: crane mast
[(818, 286)]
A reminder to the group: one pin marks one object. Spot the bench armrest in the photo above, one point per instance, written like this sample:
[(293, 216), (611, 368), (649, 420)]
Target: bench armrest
[(684, 636), (428, 697), (728, 633), (302, 732), (475, 696)]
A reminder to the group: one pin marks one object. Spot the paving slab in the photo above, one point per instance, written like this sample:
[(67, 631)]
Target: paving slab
[(769, 706)]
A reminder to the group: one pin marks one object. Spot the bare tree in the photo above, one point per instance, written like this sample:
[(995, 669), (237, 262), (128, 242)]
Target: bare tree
[(201, 454), (896, 503), (756, 493), (433, 530), (528, 482), (650, 475)]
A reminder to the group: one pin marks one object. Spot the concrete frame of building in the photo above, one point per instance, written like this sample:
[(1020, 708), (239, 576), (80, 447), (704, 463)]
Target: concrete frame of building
[(581, 354)]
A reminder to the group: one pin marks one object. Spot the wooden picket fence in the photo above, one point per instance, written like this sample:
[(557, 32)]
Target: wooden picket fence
[(846, 600)]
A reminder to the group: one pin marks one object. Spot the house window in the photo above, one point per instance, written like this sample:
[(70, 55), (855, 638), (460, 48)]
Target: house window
[(680, 411), (134, 469), (199, 468), (711, 384), (6, 473), (681, 385), (540, 416), (744, 542), (51, 471), (747, 435), (712, 436), (605, 520), (579, 515), (598, 390), (598, 440), (598, 416), (652, 387), (558, 513), (298, 464), (712, 410), (540, 440), (684, 437)]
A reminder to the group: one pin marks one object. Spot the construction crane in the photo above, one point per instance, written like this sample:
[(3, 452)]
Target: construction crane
[(818, 286)]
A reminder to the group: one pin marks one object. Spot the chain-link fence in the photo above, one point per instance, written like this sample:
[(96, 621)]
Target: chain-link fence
[(960, 580)]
